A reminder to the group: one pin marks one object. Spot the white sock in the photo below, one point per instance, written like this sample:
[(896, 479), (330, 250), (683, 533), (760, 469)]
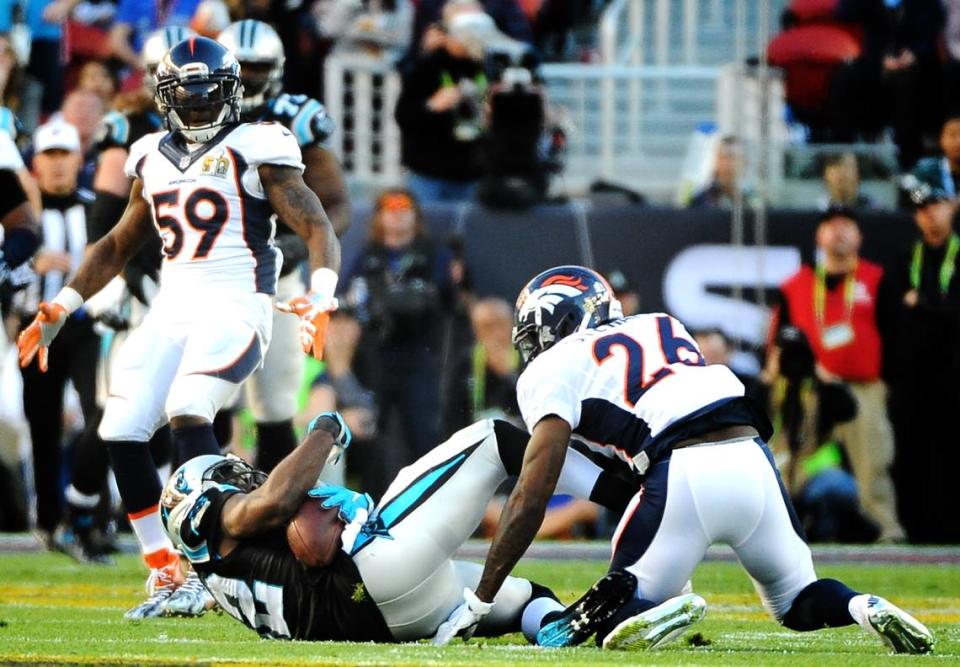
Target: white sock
[(533, 614), (858, 608), (149, 531)]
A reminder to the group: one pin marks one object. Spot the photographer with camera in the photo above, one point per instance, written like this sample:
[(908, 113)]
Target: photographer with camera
[(806, 412), (440, 110), (834, 303), (401, 289)]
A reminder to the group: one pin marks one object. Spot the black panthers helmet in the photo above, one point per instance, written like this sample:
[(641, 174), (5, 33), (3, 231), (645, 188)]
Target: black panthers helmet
[(198, 88), (559, 302)]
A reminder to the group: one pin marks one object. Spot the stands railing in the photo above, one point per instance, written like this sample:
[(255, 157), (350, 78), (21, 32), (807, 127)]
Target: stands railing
[(361, 93), (628, 124), (681, 32)]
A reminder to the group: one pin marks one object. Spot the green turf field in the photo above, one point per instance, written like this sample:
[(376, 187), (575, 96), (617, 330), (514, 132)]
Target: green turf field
[(52, 611)]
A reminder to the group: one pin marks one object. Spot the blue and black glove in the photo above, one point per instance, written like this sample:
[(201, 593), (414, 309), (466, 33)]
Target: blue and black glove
[(349, 503)]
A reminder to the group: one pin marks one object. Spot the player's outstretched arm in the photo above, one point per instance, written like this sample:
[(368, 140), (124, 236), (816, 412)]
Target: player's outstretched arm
[(324, 176), (527, 504), (103, 260), (301, 210), (273, 504)]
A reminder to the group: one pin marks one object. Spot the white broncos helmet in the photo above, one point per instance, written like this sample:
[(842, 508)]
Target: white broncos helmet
[(179, 506), (258, 49), (155, 46)]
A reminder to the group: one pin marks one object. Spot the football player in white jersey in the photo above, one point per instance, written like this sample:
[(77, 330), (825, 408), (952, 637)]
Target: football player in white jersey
[(638, 388), (210, 186), (271, 392)]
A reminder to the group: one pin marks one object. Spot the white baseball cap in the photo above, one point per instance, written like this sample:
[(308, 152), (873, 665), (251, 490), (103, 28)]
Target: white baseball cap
[(56, 134)]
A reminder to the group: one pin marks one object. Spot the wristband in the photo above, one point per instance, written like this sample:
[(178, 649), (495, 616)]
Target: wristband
[(323, 282), (69, 299)]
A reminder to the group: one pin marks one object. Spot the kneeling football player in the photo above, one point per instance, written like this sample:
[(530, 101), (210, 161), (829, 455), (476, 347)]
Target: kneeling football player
[(394, 578)]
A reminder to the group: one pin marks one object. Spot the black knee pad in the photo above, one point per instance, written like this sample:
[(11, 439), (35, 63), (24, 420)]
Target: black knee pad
[(511, 443)]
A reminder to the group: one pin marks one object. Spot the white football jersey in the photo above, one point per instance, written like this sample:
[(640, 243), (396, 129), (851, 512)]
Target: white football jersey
[(209, 206), (626, 388)]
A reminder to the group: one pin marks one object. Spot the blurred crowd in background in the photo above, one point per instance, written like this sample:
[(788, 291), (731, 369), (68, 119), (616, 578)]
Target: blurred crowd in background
[(860, 365)]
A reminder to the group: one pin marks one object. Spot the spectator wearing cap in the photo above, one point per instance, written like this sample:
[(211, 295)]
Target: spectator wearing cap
[(56, 163), (943, 173), (834, 304), (920, 322)]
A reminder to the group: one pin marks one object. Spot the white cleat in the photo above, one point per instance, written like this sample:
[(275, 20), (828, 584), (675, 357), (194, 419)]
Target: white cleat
[(161, 584), (900, 631), (655, 627), (190, 599)]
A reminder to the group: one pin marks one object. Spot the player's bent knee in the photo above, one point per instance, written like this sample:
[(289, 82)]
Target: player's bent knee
[(123, 420), (119, 425)]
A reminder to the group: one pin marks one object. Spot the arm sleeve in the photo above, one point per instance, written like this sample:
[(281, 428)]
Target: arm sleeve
[(274, 144), (540, 396), (138, 153)]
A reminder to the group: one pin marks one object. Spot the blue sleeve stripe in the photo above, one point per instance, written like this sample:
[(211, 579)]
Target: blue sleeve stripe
[(7, 123), (301, 125)]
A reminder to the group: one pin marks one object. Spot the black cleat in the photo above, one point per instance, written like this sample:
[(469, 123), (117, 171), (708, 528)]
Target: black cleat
[(598, 605)]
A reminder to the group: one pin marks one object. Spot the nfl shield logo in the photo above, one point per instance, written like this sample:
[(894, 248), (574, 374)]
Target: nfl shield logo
[(184, 161)]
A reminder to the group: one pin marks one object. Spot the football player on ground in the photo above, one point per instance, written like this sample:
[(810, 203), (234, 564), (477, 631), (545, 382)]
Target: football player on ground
[(124, 303), (210, 185), (394, 578), (638, 388), (271, 392)]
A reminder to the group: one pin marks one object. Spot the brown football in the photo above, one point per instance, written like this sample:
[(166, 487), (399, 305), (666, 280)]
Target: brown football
[(314, 534)]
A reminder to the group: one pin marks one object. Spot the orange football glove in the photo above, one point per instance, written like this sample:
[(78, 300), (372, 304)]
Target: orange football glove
[(314, 314), (41, 332)]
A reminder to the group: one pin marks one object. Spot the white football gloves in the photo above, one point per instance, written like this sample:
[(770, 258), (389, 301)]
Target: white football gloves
[(464, 619)]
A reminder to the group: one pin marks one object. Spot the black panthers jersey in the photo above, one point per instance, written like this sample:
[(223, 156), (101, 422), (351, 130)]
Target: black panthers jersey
[(121, 130), (261, 584), (304, 116)]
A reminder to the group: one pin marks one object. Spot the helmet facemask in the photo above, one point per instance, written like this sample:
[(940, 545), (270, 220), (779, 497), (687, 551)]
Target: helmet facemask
[(199, 106)]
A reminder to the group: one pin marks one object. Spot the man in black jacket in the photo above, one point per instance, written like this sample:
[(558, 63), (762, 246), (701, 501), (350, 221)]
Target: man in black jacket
[(440, 111), (919, 313)]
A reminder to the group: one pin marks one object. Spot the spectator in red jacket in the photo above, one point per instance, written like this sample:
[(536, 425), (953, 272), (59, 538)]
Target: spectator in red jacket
[(834, 303)]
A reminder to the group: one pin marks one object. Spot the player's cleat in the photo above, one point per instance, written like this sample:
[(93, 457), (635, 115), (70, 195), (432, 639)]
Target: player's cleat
[(580, 620), (657, 626), (190, 599), (900, 631), (161, 584)]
